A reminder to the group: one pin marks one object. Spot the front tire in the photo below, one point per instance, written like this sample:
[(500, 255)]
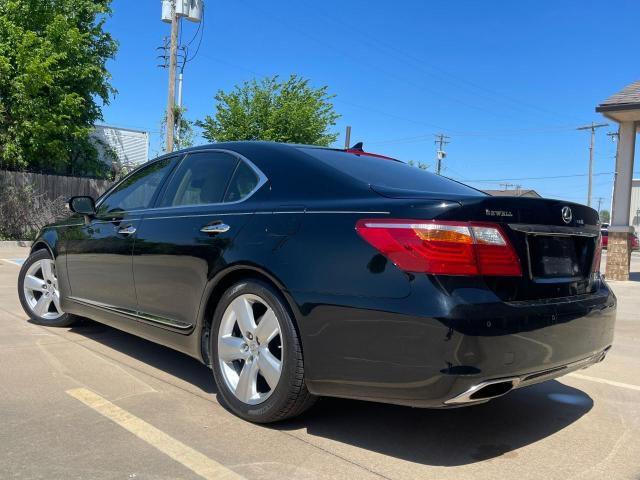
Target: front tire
[(257, 356), (39, 293)]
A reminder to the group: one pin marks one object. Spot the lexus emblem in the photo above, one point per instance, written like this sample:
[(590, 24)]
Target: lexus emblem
[(567, 214)]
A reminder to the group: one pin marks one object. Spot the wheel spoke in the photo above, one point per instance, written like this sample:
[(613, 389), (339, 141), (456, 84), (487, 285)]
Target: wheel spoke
[(42, 305), (232, 348), (270, 367), (33, 283), (244, 315), (47, 270), (56, 301), (247, 383), (268, 327)]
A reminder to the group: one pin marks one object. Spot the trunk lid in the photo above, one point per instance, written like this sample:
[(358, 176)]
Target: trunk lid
[(555, 240)]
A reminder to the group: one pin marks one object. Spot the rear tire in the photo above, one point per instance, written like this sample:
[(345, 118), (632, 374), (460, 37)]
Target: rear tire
[(257, 356), (39, 293)]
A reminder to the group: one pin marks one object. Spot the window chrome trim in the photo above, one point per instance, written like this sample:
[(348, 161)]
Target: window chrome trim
[(106, 194), (268, 212), (262, 179)]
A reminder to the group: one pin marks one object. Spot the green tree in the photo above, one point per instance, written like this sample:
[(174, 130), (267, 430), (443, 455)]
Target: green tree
[(605, 216), (420, 165), (53, 83), (282, 111), (183, 136)]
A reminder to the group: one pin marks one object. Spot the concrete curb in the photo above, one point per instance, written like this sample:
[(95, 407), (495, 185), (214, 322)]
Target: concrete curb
[(15, 244)]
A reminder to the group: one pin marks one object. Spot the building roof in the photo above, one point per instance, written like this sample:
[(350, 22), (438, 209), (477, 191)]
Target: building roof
[(513, 193), (627, 98)]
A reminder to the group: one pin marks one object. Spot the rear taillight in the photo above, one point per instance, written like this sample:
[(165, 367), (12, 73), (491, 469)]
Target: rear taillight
[(597, 255), (443, 248)]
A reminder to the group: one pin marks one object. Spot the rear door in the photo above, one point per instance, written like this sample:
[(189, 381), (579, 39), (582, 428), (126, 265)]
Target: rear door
[(189, 236), (99, 252)]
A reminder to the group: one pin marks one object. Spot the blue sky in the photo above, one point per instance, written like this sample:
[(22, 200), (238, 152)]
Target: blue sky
[(507, 81)]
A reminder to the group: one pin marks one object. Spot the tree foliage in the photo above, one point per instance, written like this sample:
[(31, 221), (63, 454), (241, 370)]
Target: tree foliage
[(53, 83), (183, 136), (420, 165), (269, 109), (605, 216)]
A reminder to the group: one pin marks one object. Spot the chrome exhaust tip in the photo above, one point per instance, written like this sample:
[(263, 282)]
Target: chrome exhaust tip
[(484, 391)]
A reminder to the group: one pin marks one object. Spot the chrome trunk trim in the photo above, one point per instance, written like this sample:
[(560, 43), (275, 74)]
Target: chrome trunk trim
[(557, 230)]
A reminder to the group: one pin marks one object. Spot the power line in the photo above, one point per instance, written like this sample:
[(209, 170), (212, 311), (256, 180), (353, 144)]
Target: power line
[(421, 65), (201, 30), (537, 178), (417, 138), (485, 133), (376, 69)]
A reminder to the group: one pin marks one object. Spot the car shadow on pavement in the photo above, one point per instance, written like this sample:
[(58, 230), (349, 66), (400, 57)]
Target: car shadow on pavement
[(163, 358), (448, 437)]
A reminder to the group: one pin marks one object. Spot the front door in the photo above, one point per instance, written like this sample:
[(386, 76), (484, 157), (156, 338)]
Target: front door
[(98, 253)]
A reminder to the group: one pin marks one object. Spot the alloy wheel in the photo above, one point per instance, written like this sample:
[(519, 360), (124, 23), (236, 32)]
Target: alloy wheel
[(41, 290), (250, 349)]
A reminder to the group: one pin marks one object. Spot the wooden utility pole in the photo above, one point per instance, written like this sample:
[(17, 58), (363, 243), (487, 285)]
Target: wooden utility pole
[(173, 52), (591, 127)]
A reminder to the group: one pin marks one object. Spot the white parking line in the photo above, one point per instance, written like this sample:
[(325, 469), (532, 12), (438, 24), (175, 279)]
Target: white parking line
[(629, 386), (13, 262), (178, 451)]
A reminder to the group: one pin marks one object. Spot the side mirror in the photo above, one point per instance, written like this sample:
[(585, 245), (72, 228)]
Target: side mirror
[(82, 205)]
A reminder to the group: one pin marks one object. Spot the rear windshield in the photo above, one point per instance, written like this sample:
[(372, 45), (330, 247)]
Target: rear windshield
[(389, 173)]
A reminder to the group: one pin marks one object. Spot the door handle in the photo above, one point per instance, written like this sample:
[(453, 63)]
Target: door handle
[(215, 228), (128, 230)]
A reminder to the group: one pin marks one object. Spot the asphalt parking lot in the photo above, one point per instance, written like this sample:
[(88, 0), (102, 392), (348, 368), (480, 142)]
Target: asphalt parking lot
[(91, 402)]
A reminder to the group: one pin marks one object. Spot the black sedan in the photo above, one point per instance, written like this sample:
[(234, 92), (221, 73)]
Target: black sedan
[(296, 272)]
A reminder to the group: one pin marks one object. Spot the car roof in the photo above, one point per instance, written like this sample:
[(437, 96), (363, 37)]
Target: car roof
[(239, 144)]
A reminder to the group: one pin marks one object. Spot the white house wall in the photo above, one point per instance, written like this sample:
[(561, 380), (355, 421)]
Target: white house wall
[(130, 146)]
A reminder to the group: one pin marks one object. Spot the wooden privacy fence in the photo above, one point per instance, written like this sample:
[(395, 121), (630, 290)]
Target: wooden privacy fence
[(55, 186)]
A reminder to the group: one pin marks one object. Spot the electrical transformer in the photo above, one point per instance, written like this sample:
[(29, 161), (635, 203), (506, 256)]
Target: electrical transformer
[(190, 9)]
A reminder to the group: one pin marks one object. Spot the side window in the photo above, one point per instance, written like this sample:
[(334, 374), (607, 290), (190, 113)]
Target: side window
[(201, 178), (242, 184), (136, 191)]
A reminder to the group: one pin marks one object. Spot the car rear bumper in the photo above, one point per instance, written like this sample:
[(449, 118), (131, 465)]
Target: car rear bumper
[(394, 355)]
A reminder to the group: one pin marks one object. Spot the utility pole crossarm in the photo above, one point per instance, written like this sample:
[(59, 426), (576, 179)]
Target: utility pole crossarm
[(593, 126)]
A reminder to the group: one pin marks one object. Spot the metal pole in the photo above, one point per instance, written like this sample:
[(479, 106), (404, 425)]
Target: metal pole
[(347, 138), (591, 145), (180, 76), (172, 77)]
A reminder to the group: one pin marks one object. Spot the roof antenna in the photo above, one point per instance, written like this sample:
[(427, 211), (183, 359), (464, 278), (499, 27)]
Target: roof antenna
[(357, 146)]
